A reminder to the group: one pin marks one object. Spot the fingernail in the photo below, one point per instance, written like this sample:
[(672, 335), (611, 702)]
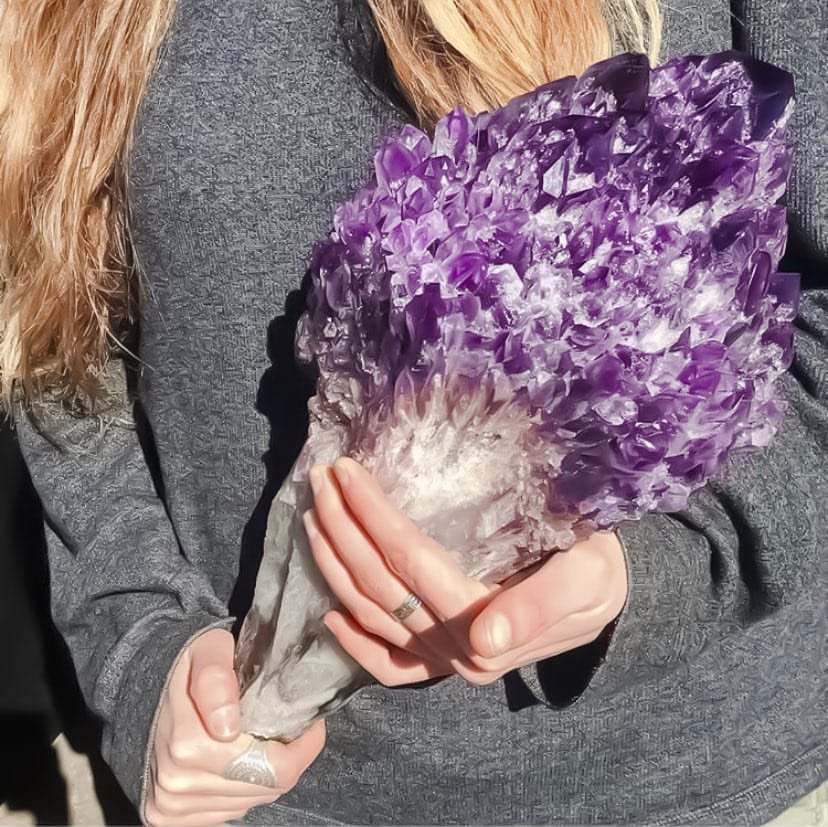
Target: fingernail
[(341, 472), (226, 721), (317, 479), (310, 523), (499, 633)]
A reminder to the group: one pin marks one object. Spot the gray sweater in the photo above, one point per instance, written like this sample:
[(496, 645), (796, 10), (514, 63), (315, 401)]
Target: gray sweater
[(710, 705)]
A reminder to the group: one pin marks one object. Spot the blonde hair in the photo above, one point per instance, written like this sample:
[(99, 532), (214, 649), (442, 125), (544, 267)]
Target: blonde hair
[(483, 53), (72, 74)]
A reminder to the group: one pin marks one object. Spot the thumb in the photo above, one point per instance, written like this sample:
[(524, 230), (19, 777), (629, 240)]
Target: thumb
[(213, 686), (515, 615)]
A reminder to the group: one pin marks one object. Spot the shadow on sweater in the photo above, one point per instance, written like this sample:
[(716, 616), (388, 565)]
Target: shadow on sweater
[(39, 694), (284, 391)]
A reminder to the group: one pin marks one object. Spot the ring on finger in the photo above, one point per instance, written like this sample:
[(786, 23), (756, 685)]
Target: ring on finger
[(252, 766), (407, 607)]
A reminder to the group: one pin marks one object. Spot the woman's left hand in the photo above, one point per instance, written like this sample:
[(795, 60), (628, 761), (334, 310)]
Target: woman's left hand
[(373, 557)]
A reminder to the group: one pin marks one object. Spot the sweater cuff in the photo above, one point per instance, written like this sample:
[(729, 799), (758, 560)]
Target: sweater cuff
[(561, 680), (669, 606), (663, 560), (128, 737)]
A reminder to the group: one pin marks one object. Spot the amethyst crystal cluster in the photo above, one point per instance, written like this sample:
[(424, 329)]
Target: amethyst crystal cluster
[(540, 322)]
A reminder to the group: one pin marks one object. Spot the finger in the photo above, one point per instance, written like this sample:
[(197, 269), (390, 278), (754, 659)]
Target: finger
[(368, 613), (483, 671), (375, 580), (357, 551), (156, 818), (422, 564), (180, 732), (364, 560), (388, 664), (550, 650), (213, 686), (574, 630), (291, 760), (203, 762), (178, 804), (163, 809), (586, 580), (184, 771)]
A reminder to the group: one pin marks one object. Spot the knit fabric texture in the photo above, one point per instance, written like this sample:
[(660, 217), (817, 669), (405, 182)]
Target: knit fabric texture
[(710, 703)]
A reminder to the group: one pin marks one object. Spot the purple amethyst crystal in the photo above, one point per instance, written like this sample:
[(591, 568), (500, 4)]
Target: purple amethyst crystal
[(609, 246), (543, 321)]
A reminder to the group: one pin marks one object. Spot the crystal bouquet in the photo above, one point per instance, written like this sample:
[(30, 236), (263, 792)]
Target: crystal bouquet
[(540, 322)]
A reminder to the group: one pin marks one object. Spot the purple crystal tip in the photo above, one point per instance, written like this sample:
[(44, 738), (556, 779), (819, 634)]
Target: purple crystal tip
[(609, 245)]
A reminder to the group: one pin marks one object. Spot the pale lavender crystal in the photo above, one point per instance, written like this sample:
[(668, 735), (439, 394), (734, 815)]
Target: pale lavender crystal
[(555, 316)]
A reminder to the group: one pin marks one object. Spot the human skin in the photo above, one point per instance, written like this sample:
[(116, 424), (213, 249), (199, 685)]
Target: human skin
[(198, 734), (373, 556)]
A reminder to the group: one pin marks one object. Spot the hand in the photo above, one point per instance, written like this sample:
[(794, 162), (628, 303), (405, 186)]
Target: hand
[(199, 733), (373, 556)]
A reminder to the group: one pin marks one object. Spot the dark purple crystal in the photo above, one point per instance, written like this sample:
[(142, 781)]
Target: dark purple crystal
[(607, 246)]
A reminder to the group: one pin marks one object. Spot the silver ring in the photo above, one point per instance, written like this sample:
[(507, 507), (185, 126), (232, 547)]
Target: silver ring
[(407, 607), (252, 766)]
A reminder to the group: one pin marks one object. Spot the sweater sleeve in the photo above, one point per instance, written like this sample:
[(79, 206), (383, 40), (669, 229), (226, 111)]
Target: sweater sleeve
[(124, 595), (748, 544)]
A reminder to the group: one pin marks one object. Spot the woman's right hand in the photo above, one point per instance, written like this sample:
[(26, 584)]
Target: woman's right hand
[(198, 734)]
